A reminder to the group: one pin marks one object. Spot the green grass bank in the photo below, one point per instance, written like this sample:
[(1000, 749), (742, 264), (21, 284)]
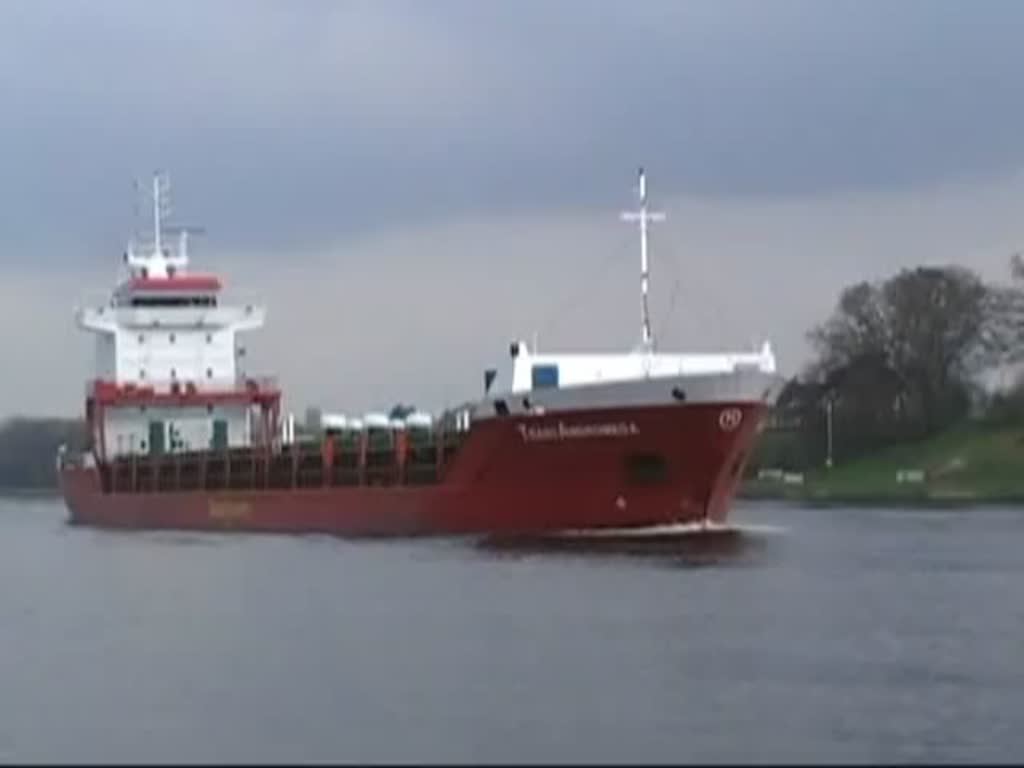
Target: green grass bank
[(970, 464)]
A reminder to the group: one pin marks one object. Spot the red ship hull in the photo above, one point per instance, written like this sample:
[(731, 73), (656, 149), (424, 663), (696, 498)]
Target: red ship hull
[(511, 475)]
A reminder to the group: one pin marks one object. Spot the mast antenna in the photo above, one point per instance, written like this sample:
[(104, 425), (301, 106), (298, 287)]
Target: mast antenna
[(645, 217), (161, 209), (155, 259)]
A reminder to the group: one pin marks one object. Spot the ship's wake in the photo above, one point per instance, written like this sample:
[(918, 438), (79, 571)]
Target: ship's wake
[(688, 543)]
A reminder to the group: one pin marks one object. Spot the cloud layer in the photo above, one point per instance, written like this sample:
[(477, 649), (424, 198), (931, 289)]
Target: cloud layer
[(288, 124)]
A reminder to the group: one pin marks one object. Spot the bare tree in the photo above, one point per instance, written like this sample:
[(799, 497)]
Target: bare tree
[(903, 350), (1003, 335), (859, 326), (937, 318)]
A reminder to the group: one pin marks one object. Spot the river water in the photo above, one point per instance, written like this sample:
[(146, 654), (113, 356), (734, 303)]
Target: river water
[(827, 635)]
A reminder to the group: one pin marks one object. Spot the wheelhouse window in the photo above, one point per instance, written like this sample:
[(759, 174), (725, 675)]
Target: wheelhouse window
[(173, 301)]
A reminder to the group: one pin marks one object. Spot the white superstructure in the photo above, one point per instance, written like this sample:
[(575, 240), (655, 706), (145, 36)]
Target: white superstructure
[(532, 371), (167, 375)]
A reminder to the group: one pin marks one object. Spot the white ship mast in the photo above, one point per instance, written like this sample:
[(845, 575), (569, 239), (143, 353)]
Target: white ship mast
[(159, 201), (154, 259), (644, 217)]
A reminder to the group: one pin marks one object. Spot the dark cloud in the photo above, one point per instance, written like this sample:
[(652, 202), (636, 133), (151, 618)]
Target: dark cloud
[(288, 123)]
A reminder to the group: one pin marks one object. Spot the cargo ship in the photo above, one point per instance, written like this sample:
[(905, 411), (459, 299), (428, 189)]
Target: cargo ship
[(180, 436)]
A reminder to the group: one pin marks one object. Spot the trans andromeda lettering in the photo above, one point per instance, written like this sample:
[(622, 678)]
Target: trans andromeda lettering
[(563, 431)]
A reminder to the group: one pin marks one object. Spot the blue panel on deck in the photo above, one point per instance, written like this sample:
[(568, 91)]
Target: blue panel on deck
[(545, 377)]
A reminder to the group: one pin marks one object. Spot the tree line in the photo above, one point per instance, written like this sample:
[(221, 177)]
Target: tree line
[(899, 360), (28, 450)]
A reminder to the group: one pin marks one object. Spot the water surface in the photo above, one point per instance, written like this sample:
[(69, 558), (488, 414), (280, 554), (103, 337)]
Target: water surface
[(829, 635)]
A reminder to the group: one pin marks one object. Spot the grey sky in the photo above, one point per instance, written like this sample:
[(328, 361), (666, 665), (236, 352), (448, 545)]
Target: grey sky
[(385, 139)]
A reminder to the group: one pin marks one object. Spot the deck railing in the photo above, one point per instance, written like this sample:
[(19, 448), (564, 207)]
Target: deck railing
[(264, 384), (420, 460)]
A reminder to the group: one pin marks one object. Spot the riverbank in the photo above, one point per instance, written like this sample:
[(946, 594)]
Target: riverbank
[(822, 498), (969, 465)]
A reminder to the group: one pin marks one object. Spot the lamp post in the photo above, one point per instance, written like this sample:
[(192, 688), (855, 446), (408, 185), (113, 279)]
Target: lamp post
[(828, 428)]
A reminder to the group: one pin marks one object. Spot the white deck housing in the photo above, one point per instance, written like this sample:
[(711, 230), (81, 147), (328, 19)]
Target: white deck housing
[(166, 344), (531, 371)]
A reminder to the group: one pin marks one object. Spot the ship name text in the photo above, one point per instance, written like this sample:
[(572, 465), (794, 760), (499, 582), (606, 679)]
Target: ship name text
[(563, 431)]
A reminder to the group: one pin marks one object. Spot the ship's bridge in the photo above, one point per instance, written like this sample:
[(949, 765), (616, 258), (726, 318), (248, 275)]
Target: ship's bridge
[(174, 290), (171, 328)]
